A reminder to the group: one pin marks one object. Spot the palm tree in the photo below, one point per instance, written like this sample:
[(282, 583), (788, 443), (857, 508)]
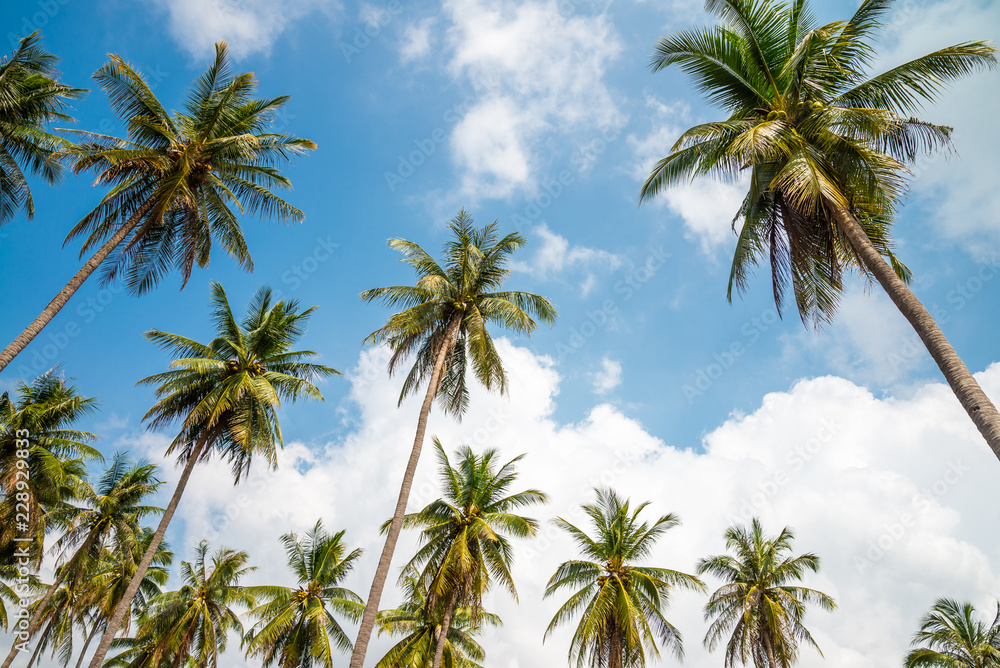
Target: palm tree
[(756, 607), (443, 324), (420, 627), (194, 622), (226, 395), (296, 627), (464, 547), (107, 585), (622, 603), (174, 180), (827, 147), (953, 636), (30, 97), (109, 515), (37, 431)]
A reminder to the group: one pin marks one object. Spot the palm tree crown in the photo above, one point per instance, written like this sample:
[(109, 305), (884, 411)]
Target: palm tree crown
[(952, 635), (818, 133), (621, 603), (30, 97), (297, 628), (757, 603)]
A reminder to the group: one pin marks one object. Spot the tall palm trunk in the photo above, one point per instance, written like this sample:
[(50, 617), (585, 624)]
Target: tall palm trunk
[(86, 644), (442, 640), (769, 646), (382, 572), (975, 402), (60, 300), (615, 647), (125, 604)]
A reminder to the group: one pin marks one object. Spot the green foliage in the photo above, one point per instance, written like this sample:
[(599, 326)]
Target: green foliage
[(30, 97), (296, 627), (757, 608), (621, 604), (466, 289), (180, 176), (952, 635), (816, 130)]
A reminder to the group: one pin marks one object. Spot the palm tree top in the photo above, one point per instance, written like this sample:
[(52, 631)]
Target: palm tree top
[(952, 635), (465, 289)]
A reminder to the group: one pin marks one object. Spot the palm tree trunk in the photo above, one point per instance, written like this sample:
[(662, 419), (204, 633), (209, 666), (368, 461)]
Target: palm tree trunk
[(382, 572), (60, 300), (615, 647), (442, 640), (975, 402), (769, 646), (125, 604), (86, 644), (34, 655)]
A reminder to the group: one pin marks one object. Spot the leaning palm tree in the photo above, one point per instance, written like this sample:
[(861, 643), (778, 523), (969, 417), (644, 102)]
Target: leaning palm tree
[(621, 603), (827, 146), (465, 535), (109, 514), (175, 180), (421, 627), (443, 325), (757, 608), (194, 623), (226, 395), (37, 429), (952, 635), (30, 98), (296, 627)]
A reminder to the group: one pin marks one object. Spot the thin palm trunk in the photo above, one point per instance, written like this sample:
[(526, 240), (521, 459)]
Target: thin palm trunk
[(769, 646), (615, 647), (60, 300), (86, 644), (125, 604), (442, 639), (34, 655), (382, 572), (975, 402)]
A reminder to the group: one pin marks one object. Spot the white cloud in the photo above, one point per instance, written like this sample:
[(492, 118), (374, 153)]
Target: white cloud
[(249, 26), (706, 206), (555, 256), (416, 40), (608, 378), (896, 496), (537, 73)]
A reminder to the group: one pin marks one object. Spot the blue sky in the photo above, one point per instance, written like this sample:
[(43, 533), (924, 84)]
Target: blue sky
[(543, 116)]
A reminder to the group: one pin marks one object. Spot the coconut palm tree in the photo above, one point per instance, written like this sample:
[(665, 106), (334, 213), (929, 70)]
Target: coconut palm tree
[(621, 603), (296, 627), (827, 146), (226, 395), (421, 626), (175, 180), (30, 97), (194, 623), (952, 635), (109, 514), (37, 431), (443, 326), (757, 611), (464, 546)]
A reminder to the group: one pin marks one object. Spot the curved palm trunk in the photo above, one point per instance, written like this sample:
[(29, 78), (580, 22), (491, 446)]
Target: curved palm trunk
[(442, 639), (125, 604), (975, 402), (382, 572), (60, 300), (90, 636)]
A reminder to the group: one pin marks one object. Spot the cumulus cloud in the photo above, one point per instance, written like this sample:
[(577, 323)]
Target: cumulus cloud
[(537, 73), (705, 206), (895, 495), (608, 378), (416, 40), (556, 256), (249, 26)]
